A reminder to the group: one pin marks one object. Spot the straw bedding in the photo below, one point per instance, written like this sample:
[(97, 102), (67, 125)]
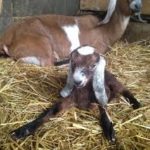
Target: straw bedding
[(25, 90)]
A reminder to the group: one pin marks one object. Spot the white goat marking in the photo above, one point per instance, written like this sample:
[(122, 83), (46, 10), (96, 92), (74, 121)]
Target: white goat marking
[(72, 32), (86, 50), (31, 60), (6, 49), (125, 22), (99, 82), (79, 76)]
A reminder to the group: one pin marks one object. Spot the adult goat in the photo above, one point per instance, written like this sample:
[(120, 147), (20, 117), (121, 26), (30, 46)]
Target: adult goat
[(45, 39)]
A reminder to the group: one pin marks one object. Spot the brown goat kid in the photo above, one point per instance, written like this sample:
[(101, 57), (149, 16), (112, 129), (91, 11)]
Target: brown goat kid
[(87, 89), (45, 39)]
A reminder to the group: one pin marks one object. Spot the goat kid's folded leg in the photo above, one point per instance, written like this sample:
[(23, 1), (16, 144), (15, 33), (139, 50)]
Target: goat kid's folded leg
[(118, 88), (107, 125), (31, 127)]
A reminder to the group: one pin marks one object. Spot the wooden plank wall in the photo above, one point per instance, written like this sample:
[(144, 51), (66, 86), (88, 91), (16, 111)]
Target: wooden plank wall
[(11, 10)]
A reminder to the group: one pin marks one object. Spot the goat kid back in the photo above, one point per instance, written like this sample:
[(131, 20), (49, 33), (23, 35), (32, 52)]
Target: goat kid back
[(88, 86), (45, 39)]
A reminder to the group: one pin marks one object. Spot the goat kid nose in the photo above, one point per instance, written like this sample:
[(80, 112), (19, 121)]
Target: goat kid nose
[(77, 83)]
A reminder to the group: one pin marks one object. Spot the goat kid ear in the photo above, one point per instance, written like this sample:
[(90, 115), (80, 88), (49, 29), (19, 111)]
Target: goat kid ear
[(97, 57), (66, 91), (99, 82), (73, 54), (110, 10)]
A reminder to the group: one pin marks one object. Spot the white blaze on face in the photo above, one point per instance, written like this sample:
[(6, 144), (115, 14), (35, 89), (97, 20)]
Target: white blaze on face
[(86, 50), (79, 77), (72, 32)]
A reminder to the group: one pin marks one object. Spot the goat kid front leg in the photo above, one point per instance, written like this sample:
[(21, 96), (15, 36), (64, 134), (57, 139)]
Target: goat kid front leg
[(31, 127), (107, 125)]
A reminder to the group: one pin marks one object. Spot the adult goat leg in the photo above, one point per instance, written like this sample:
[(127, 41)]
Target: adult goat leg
[(31, 127)]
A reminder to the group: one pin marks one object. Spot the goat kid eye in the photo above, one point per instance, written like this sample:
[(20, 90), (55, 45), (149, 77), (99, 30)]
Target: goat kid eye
[(92, 67), (82, 74)]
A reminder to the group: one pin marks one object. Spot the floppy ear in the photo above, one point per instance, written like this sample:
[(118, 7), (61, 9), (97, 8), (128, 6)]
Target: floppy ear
[(66, 91), (110, 10), (99, 82)]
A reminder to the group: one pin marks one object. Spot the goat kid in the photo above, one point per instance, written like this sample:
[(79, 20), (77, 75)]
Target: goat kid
[(45, 39), (88, 88)]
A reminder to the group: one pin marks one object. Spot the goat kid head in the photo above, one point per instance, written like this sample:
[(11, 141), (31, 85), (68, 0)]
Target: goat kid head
[(85, 63)]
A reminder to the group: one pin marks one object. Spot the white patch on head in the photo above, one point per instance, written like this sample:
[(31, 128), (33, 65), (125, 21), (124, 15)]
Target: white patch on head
[(99, 82), (86, 50), (31, 60), (72, 32), (79, 76)]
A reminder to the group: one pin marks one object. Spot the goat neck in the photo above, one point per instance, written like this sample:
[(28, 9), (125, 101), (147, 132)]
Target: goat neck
[(116, 25)]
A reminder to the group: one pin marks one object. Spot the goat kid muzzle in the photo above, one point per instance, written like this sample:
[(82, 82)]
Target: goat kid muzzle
[(79, 78)]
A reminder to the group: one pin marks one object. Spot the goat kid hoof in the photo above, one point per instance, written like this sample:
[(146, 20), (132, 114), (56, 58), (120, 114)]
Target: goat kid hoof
[(137, 105), (112, 140), (22, 132), (19, 134), (109, 133)]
